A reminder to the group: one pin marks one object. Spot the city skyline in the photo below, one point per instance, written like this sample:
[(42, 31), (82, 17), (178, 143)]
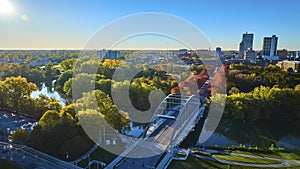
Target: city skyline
[(64, 25)]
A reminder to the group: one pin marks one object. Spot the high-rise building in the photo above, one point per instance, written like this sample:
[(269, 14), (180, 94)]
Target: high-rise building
[(218, 52), (250, 55), (270, 46), (246, 43)]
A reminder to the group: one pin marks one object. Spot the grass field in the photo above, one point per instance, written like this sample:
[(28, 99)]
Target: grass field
[(245, 159), (283, 155), (194, 162)]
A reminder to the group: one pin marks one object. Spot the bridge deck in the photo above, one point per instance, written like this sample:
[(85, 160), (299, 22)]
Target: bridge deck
[(151, 149)]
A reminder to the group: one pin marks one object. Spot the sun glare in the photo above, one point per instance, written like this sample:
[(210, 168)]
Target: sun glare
[(6, 7)]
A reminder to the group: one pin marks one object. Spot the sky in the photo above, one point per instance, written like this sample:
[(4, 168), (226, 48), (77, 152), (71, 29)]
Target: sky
[(64, 24)]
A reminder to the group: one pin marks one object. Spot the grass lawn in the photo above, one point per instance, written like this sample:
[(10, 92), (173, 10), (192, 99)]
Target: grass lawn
[(283, 155), (245, 159), (194, 162)]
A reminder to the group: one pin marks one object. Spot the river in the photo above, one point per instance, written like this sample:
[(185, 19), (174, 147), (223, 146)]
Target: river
[(49, 93), (281, 133)]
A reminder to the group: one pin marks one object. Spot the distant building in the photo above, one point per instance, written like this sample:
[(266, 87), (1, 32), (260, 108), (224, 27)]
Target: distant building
[(218, 52), (270, 46), (296, 55), (250, 55), (271, 58), (182, 51), (282, 54), (109, 54), (246, 43)]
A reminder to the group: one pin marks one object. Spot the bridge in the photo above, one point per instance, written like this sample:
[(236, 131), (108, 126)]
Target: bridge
[(171, 123), (173, 120)]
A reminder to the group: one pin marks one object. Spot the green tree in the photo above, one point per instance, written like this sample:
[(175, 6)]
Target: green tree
[(68, 64), (62, 79), (102, 103), (104, 85), (16, 92), (70, 109), (20, 136), (35, 75), (49, 74), (297, 88), (56, 131), (80, 83), (49, 119), (234, 90)]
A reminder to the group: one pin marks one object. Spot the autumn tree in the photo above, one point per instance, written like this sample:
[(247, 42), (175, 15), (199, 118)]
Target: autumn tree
[(15, 92), (102, 103)]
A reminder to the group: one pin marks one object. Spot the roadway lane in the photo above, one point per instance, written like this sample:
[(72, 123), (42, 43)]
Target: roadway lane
[(32, 159), (152, 149)]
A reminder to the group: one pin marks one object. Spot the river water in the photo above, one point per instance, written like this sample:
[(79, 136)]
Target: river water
[(51, 93), (281, 133)]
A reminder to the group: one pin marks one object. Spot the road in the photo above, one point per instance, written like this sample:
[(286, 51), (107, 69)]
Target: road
[(32, 159), (155, 145)]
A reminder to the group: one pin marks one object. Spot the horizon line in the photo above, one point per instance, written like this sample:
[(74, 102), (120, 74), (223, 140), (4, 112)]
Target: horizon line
[(36, 49)]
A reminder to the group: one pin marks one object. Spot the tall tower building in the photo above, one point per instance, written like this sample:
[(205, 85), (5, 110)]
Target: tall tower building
[(218, 52), (270, 46), (247, 43)]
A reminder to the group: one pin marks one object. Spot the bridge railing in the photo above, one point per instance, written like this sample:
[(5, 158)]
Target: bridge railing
[(189, 108)]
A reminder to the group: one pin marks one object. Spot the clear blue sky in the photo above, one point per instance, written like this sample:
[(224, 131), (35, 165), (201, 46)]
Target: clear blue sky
[(70, 23)]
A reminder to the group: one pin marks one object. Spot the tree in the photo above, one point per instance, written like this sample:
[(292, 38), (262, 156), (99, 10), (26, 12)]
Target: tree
[(297, 88), (80, 83), (54, 104), (70, 109), (35, 75), (68, 64), (49, 74), (16, 93), (139, 92), (104, 85), (49, 119), (39, 106), (63, 78), (4, 70), (89, 67), (102, 103), (56, 131), (20, 135), (264, 103)]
